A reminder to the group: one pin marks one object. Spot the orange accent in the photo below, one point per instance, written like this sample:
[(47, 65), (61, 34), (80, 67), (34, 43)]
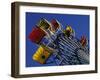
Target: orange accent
[(83, 41)]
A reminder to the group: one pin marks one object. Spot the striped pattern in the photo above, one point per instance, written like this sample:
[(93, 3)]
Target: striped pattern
[(70, 51)]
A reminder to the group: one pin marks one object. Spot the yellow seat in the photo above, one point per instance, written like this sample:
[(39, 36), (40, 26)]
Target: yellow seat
[(42, 54)]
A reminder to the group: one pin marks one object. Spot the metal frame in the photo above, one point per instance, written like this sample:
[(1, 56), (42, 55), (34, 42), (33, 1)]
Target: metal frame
[(15, 38)]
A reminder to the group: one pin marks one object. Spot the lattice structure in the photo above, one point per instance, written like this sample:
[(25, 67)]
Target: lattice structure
[(69, 51)]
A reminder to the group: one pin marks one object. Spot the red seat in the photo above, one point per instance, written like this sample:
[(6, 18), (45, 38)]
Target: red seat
[(55, 24), (36, 35)]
